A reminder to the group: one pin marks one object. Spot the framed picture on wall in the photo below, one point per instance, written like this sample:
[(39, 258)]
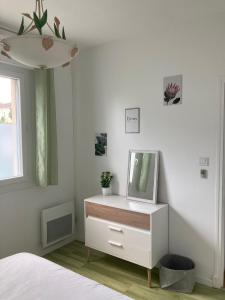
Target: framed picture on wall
[(132, 120), (101, 144), (172, 90)]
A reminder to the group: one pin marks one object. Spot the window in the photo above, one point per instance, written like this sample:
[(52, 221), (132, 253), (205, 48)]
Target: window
[(11, 162)]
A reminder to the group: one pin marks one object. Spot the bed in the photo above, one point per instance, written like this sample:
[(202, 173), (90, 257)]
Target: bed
[(26, 276)]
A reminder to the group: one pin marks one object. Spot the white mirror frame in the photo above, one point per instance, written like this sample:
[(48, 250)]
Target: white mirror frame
[(156, 173)]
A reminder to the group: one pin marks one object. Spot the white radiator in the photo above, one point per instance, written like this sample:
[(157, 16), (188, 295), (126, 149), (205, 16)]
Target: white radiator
[(57, 223)]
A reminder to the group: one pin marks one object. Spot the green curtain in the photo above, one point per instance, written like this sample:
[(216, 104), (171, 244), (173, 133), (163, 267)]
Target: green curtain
[(46, 133)]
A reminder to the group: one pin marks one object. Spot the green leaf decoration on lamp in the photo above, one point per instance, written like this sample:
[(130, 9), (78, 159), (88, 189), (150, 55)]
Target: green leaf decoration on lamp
[(37, 23), (44, 18), (40, 22), (21, 30)]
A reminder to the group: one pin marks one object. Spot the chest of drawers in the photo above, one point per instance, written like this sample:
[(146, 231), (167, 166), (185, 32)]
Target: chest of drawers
[(133, 231)]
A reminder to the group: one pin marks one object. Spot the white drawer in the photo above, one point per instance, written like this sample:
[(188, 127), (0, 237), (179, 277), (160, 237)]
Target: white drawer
[(123, 241)]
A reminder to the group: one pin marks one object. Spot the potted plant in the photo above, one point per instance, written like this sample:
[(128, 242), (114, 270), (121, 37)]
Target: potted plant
[(106, 178)]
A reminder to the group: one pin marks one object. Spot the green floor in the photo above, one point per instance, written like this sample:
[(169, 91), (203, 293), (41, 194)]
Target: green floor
[(122, 276)]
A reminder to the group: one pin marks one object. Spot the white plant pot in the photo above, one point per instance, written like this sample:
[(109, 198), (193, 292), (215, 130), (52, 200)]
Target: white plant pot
[(107, 191)]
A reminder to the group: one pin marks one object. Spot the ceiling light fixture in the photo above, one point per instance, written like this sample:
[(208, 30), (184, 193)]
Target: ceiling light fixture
[(39, 50)]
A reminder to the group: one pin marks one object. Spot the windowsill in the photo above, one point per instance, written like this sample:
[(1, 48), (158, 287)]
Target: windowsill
[(15, 184), (11, 180)]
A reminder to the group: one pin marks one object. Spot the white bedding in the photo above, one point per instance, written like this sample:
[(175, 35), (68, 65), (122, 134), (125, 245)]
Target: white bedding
[(28, 277)]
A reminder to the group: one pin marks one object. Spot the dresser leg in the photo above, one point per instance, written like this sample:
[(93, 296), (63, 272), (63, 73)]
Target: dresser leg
[(88, 254), (149, 278)]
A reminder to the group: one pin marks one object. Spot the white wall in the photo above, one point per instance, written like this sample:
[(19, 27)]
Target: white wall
[(20, 209), (130, 73)]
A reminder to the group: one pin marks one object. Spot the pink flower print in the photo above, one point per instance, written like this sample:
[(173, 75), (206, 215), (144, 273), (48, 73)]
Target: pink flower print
[(171, 91)]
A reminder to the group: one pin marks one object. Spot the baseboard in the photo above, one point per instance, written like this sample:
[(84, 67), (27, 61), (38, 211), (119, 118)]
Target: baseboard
[(205, 281), (56, 246)]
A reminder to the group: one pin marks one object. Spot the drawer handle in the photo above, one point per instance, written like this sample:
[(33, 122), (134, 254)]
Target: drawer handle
[(115, 229), (115, 244)]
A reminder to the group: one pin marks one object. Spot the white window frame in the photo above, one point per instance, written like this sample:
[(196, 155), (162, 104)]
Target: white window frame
[(27, 127)]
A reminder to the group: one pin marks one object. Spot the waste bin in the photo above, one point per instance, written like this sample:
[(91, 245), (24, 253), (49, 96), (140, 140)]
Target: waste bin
[(177, 273)]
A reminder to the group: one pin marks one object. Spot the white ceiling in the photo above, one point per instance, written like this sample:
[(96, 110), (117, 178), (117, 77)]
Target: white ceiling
[(93, 22)]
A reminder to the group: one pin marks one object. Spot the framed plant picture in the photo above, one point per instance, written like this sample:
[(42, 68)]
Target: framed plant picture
[(172, 88), (132, 120), (101, 144)]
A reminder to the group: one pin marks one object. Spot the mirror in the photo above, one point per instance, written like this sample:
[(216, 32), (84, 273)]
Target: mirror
[(142, 181)]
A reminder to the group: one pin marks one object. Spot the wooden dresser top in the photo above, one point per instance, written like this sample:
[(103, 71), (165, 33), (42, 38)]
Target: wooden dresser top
[(122, 202)]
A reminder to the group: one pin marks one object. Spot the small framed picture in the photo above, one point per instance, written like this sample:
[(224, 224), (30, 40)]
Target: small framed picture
[(132, 120), (172, 89), (101, 144)]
